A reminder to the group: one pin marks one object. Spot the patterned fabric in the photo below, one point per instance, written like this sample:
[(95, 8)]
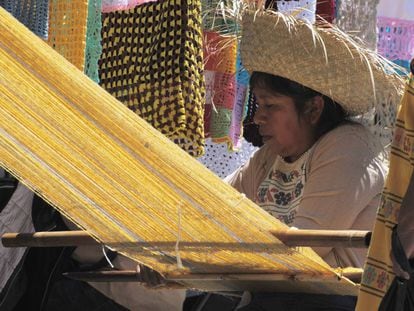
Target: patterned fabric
[(396, 39), (281, 191), (152, 62), (93, 40), (223, 162), (378, 272), (67, 29), (31, 13), (226, 89), (116, 5), (226, 79)]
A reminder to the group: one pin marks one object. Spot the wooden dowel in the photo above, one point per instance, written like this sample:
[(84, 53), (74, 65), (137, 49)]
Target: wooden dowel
[(312, 238), (132, 276), (324, 238)]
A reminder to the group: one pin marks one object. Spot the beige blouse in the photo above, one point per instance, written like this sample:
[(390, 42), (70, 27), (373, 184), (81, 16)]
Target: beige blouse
[(345, 173)]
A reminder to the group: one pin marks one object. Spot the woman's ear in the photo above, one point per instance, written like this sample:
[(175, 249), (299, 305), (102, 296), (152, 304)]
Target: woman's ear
[(316, 106)]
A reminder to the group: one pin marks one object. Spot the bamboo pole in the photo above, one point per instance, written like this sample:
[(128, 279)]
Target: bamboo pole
[(311, 238)]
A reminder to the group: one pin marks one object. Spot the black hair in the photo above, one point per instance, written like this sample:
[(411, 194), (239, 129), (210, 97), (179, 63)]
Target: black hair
[(332, 114)]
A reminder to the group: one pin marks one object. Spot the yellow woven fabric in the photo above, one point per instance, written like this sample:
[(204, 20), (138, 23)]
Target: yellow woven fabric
[(67, 29), (378, 273), (152, 62), (124, 182)]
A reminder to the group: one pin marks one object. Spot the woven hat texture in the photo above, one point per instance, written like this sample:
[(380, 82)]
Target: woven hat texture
[(322, 58)]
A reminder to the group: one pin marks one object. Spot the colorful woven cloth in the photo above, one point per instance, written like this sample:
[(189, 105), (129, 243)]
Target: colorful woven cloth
[(396, 31), (67, 29), (152, 62), (31, 13), (396, 39), (226, 89), (117, 5), (378, 273)]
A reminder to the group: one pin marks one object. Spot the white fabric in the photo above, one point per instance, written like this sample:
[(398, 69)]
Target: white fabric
[(15, 217), (302, 9), (223, 162)]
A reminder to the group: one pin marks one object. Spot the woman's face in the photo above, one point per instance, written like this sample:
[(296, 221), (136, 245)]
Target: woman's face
[(280, 125)]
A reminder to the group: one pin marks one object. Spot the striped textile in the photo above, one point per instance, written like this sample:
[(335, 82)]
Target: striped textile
[(378, 273)]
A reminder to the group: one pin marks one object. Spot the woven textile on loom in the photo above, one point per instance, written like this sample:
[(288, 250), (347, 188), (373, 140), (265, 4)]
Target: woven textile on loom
[(129, 186), (32, 13), (152, 62), (67, 29)]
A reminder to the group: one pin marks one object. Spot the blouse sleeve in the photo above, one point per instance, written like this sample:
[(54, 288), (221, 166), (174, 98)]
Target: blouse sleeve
[(345, 174)]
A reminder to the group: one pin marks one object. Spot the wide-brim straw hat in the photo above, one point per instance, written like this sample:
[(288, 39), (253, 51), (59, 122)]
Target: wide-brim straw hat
[(322, 58)]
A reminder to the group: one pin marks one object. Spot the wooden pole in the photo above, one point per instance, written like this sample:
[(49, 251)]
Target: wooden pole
[(324, 238), (132, 276), (311, 238)]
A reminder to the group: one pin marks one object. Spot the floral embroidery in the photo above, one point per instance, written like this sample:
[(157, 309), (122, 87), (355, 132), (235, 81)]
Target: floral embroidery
[(382, 279), (280, 193), (369, 275)]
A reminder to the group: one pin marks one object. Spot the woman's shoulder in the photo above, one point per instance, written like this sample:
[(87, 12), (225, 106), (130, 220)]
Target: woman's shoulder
[(351, 145), (349, 137)]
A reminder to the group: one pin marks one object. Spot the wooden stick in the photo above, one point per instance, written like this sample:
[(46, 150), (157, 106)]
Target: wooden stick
[(324, 238), (132, 276), (312, 238)]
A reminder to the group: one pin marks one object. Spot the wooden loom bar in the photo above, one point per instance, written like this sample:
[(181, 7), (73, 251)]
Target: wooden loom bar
[(132, 276), (311, 238)]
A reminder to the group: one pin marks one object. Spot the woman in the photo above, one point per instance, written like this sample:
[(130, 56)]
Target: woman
[(316, 169)]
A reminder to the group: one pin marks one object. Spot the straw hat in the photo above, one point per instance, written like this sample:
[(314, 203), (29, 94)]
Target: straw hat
[(321, 58)]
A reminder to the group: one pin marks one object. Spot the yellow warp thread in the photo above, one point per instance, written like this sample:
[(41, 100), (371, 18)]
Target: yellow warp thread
[(121, 180), (67, 29)]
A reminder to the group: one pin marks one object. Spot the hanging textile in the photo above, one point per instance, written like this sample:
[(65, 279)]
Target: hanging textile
[(223, 162), (127, 185), (93, 47), (359, 18), (31, 13), (152, 62), (326, 10), (226, 80), (67, 29), (117, 5), (396, 31)]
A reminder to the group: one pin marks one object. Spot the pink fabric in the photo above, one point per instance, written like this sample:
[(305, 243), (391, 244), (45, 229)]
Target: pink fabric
[(395, 38), (117, 5)]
